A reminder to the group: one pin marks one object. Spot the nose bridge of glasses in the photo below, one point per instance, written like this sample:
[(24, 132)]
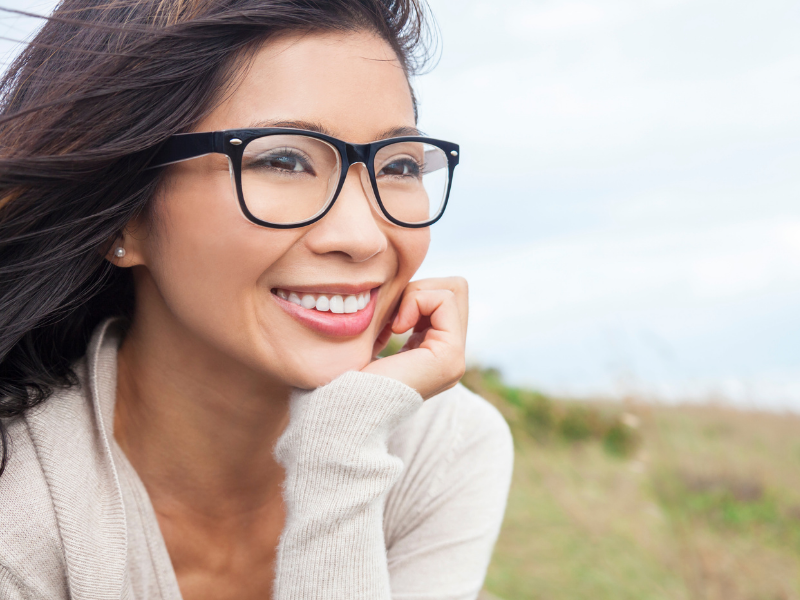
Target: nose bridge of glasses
[(357, 153), (362, 177), (357, 156)]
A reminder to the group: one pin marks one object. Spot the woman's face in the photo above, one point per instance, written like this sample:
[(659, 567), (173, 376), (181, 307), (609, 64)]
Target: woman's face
[(220, 277)]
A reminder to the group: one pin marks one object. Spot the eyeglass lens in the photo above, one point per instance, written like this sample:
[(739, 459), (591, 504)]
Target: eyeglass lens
[(289, 179)]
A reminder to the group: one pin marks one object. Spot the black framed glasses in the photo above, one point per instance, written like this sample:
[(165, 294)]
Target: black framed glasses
[(287, 178)]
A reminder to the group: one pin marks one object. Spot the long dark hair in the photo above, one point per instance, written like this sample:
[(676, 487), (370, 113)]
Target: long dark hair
[(83, 108)]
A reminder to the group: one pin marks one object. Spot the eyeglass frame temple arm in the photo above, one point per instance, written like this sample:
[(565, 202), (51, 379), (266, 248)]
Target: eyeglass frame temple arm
[(185, 146)]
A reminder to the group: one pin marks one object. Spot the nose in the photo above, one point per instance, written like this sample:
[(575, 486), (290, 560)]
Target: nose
[(351, 226)]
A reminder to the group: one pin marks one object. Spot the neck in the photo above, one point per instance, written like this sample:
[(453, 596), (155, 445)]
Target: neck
[(198, 427)]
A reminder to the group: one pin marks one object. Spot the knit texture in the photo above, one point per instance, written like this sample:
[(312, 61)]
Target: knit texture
[(338, 472), (386, 497)]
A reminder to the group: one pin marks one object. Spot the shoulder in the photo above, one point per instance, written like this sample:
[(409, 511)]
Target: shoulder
[(44, 446), (457, 420), (443, 515), (31, 556), (457, 453), (474, 413), (61, 491)]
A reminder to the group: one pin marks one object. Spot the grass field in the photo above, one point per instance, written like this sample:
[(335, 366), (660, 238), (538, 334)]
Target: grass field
[(635, 501)]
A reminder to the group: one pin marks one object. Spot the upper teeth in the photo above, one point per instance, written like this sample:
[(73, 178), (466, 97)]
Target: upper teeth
[(335, 303)]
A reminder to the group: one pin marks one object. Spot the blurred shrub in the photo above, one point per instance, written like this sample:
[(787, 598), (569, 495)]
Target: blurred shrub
[(576, 423), (539, 414), (621, 440), (546, 419)]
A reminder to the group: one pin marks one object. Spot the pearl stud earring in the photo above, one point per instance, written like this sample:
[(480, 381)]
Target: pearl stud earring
[(119, 252)]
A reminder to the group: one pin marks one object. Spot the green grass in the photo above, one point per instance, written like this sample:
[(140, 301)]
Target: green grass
[(544, 419), (613, 500)]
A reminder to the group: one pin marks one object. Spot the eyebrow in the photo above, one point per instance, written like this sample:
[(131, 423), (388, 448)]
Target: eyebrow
[(307, 125), (400, 132), (320, 128)]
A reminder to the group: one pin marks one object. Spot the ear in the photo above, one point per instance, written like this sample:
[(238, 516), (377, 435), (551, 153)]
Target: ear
[(126, 249)]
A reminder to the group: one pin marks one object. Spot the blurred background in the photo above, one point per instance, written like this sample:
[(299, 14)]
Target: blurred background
[(627, 212), (627, 208)]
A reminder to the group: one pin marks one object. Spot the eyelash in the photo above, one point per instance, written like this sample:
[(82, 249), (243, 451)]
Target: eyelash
[(261, 160)]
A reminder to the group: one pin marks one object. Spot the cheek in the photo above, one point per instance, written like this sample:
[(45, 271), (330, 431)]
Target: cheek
[(411, 246), (207, 259)]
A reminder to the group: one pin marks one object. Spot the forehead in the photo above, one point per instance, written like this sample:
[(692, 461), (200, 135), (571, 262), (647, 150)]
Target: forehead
[(351, 84)]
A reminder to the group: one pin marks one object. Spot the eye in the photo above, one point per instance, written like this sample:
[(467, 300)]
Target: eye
[(402, 166), (286, 163), (283, 160)]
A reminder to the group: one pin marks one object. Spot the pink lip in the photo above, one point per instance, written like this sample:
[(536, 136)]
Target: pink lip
[(328, 323)]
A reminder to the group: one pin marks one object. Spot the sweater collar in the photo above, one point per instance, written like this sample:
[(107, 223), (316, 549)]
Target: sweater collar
[(72, 438)]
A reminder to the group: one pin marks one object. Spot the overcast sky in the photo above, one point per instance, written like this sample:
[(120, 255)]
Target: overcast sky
[(627, 208)]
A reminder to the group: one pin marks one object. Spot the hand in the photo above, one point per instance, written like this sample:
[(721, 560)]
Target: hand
[(432, 360)]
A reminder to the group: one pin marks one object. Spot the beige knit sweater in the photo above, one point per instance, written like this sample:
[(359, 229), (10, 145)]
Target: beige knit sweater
[(386, 497)]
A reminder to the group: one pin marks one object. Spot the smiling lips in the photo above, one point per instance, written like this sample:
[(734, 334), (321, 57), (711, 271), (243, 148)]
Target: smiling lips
[(329, 313)]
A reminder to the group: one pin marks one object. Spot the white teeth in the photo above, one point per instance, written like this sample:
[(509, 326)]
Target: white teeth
[(323, 304), (350, 304), (337, 304)]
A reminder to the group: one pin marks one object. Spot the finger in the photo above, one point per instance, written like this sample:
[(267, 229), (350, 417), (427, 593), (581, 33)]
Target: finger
[(439, 306), (414, 340), (422, 324), (426, 309), (457, 285)]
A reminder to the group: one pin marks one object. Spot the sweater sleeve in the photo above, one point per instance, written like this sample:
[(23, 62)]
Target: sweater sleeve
[(338, 472), (443, 517)]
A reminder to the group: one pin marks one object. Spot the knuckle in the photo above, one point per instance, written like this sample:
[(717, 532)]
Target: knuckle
[(461, 284), (411, 295), (432, 293)]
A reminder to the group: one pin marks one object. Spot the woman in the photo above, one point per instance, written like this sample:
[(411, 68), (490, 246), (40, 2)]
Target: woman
[(210, 214)]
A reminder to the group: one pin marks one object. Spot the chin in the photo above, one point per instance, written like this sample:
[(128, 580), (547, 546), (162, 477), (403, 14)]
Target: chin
[(316, 373)]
